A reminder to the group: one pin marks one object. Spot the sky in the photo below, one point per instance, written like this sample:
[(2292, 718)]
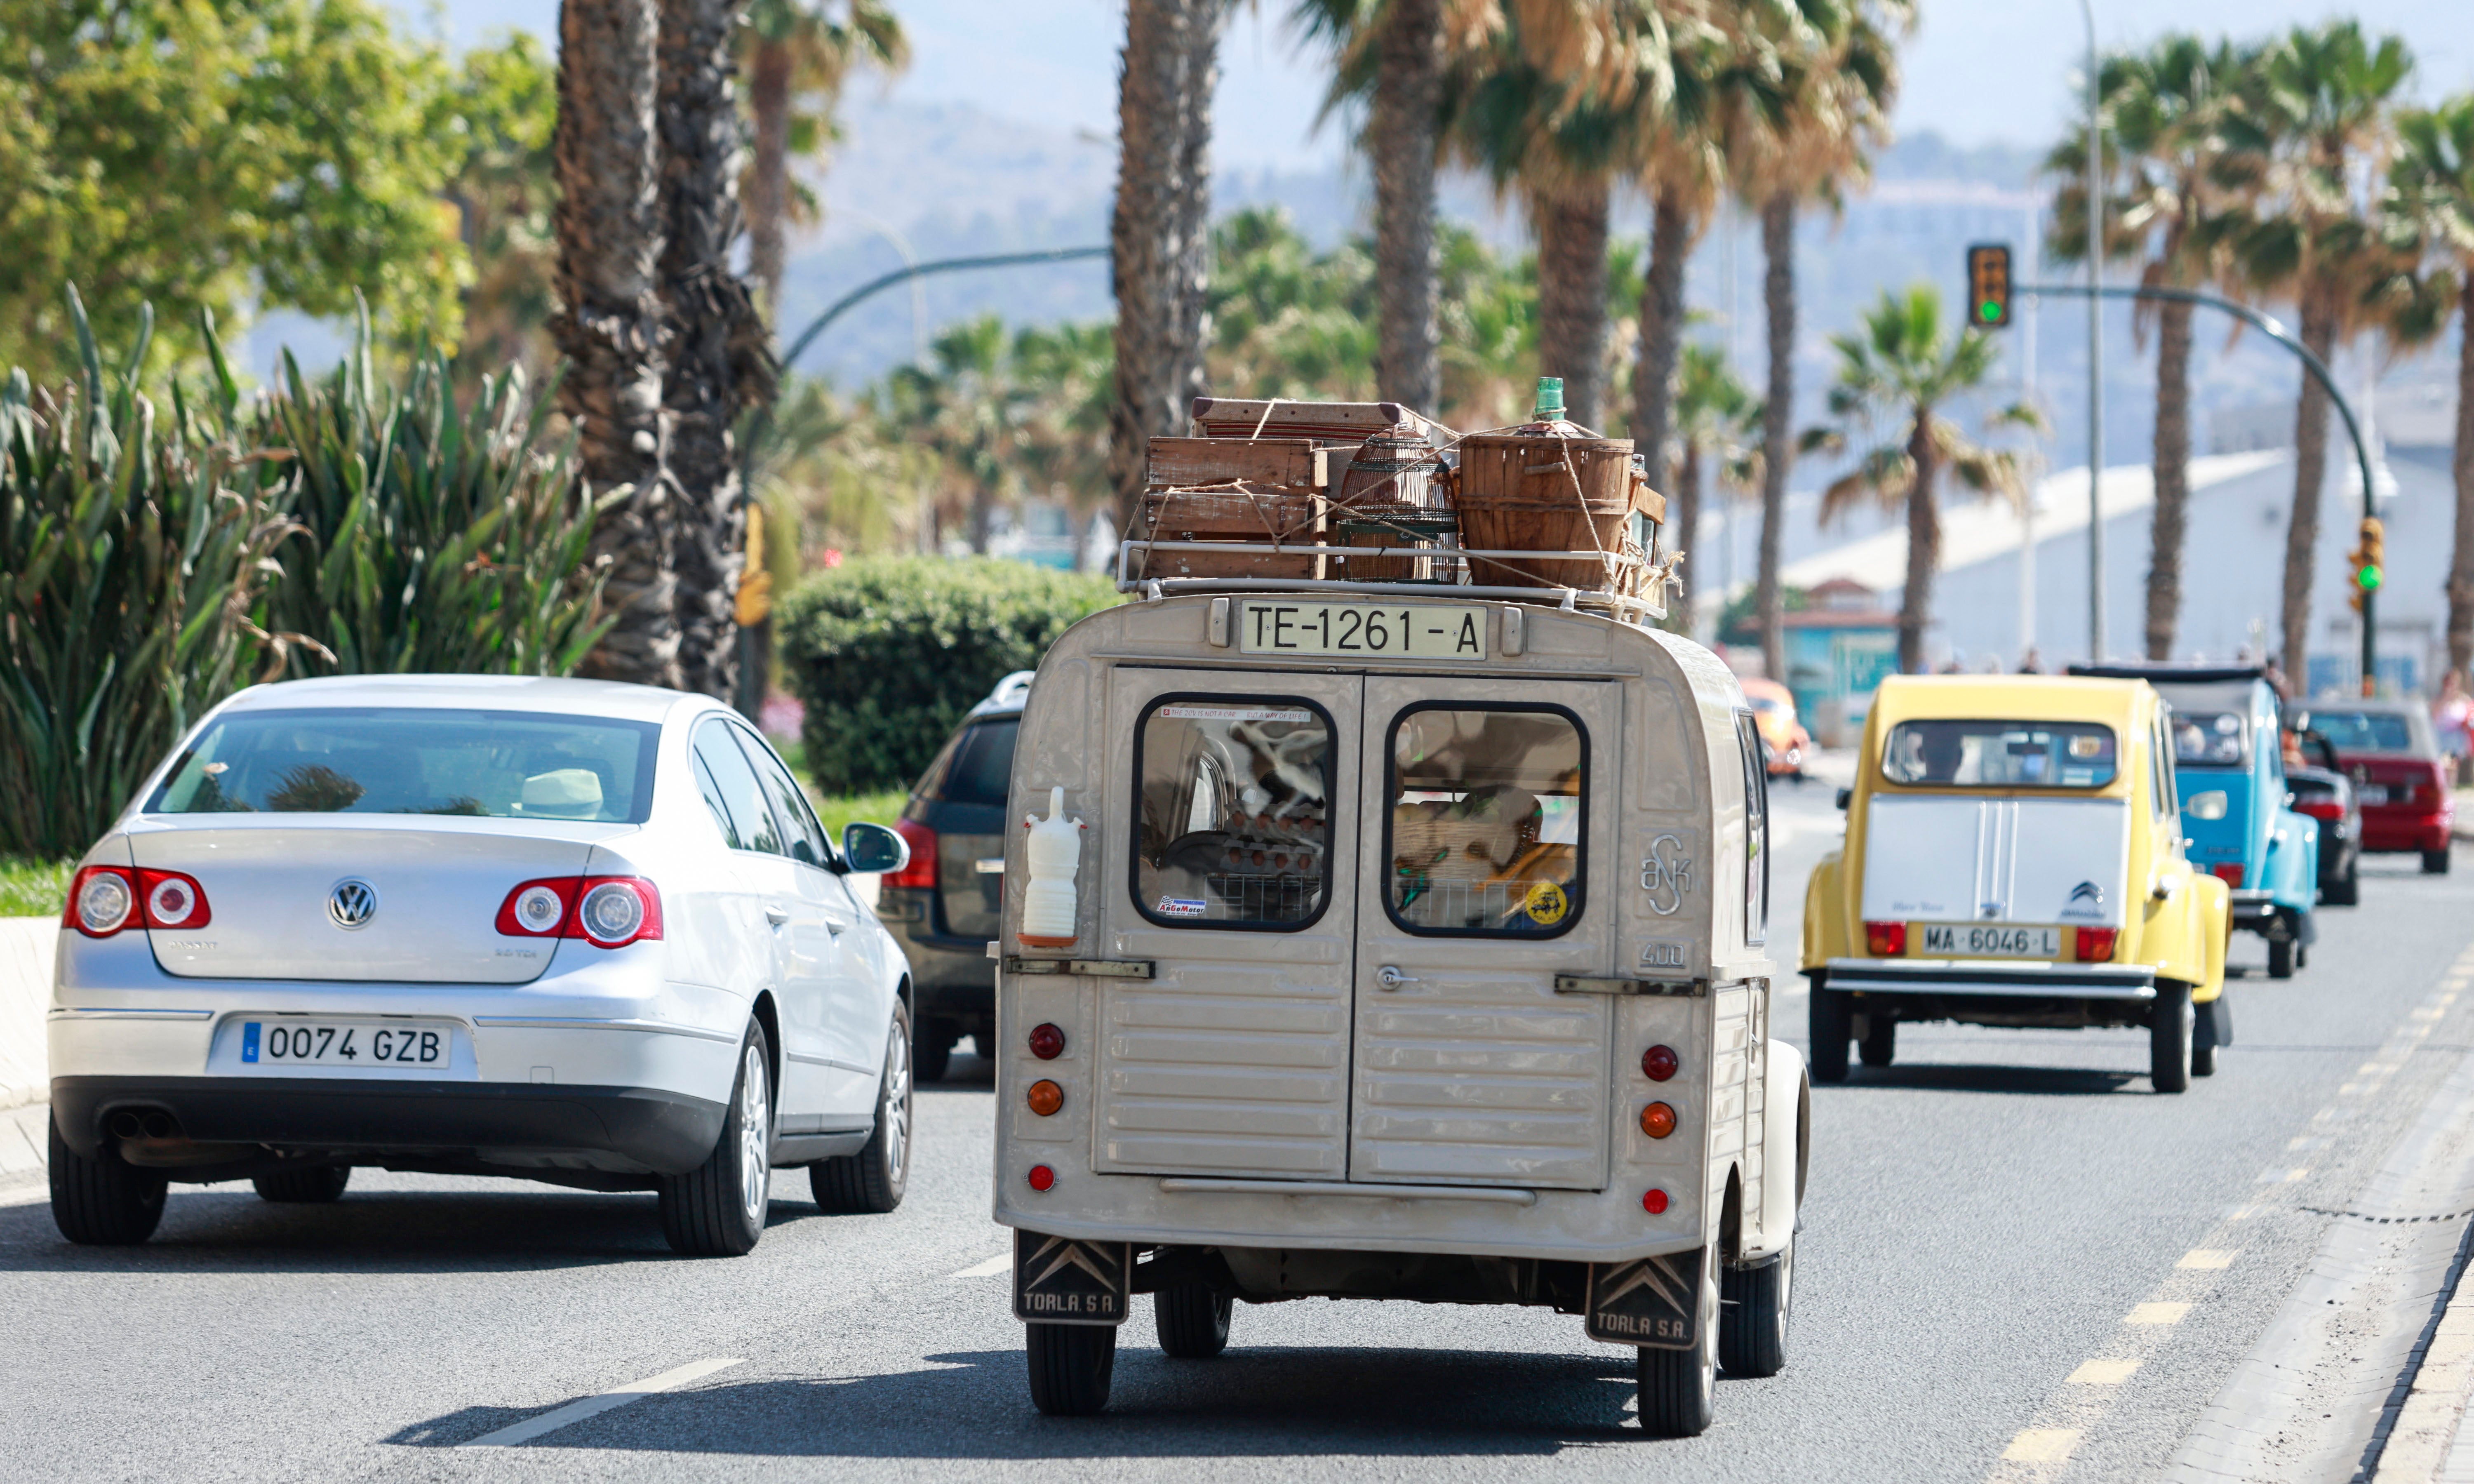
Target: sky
[(1977, 71)]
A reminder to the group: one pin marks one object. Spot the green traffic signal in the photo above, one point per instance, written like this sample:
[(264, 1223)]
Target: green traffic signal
[(2367, 578), (1989, 312)]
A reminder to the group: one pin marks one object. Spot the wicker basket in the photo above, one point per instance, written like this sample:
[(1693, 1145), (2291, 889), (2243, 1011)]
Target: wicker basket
[(1531, 494), (1233, 512)]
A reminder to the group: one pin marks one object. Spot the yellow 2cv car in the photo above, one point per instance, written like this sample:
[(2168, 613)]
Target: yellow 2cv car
[(2014, 857)]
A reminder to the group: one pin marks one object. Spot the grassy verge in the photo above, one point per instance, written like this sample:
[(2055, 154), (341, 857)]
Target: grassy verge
[(34, 888), (874, 808)]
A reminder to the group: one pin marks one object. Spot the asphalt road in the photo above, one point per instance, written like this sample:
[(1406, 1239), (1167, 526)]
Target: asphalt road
[(1982, 1217)]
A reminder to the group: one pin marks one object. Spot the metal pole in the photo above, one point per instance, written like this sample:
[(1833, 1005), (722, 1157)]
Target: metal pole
[(2095, 346), (2371, 508), (2027, 505)]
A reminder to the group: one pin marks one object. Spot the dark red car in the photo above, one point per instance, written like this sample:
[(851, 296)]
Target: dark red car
[(2388, 748)]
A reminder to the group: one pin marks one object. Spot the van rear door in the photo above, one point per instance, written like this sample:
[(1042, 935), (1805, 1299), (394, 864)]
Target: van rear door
[(1489, 867)]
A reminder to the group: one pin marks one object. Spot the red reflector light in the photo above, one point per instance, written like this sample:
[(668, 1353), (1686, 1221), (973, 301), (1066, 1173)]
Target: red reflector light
[(2230, 872), (1047, 1042), (1657, 1120), (1653, 1202), (1658, 1063), (1042, 1176), (1885, 939), (921, 872), (607, 911), (2096, 944)]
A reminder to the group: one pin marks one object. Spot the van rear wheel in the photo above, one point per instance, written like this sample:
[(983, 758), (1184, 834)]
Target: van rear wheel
[(2169, 1035), (1881, 1040), (2280, 958), (1678, 1388), (1754, 1306), (1830, 1021), (1192, 1319), (1070, 1367)]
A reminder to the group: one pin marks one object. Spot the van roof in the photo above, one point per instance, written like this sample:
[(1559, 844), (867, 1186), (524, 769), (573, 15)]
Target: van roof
[(2010, 697)]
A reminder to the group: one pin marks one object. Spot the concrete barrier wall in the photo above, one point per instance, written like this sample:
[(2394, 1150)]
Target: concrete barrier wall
[(26, 947)]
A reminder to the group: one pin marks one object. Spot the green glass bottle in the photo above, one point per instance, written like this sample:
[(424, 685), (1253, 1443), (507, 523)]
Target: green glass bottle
[(1550, 400)]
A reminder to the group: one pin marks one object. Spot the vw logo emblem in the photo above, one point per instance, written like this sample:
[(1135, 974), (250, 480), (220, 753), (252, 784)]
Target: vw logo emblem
[(352, 903)]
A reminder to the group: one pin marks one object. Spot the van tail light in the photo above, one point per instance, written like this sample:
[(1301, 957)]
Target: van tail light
[(2230, 872), (105, 899), (1885, 939), (921, 873), (607, 911), (2096, 944)]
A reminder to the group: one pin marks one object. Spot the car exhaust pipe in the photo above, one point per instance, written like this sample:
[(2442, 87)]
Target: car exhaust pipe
[(142, 1123), (158, 1124), (127, 1125)]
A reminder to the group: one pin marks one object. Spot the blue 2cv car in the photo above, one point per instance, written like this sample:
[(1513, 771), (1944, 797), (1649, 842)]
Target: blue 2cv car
[(2229, 767)]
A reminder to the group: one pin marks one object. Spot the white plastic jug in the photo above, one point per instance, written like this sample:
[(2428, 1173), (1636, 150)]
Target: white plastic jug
[(1055, 851)]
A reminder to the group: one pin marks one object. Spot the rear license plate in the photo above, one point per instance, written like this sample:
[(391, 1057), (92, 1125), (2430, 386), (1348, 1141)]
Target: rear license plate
[(1990, 941), (1417, 631), (326, 1043), (2373, 793)]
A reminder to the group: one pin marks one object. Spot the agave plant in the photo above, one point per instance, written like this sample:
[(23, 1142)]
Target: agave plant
[(428, 538), (132, 551)]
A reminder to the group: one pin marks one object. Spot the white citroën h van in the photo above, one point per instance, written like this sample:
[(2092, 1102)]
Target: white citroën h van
[(1420, 950)]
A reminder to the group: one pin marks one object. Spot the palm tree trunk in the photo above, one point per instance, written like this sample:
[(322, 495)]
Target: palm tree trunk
[(1400, 150), (1572, 295), (2172, 476), (1778, 425), (1159, 235), (2460, 567), (609, 324), (768, 176), (2310, 473), (1686, 516), (1661, 334), (1923, 546), (718, 360)]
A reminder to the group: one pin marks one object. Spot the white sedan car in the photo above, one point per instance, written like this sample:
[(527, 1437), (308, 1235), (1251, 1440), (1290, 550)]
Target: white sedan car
[(569, 931)]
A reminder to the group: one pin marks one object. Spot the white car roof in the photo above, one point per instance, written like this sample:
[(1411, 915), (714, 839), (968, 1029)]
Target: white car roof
[(497, 692)]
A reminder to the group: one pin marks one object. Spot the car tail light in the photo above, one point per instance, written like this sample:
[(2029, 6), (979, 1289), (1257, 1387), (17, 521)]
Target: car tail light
[(921, 872), (1657, 1120), (2230, 872), (1045, 1098), (1658, 1063), (1047, 1042), (2096, 944), (105, 899), (2320, 809), (1885, 939), (607, 911), (1653, 1202)]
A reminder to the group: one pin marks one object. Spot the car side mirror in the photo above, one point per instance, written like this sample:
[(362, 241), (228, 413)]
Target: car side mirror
[(1846, 796), (874, 849)]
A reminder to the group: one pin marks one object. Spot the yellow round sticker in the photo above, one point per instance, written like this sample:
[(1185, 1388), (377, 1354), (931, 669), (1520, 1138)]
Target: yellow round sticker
[(1548, 904)]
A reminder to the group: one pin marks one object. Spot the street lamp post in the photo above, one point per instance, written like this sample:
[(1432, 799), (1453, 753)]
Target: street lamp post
[(2095, 346)]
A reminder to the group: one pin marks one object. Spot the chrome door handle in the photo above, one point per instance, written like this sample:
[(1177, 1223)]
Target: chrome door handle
[(1391, 978), (836, 926), (776, 916)]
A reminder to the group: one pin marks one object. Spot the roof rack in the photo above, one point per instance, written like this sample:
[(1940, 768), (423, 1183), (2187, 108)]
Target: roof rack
[(2187, 674), (1624, 609)]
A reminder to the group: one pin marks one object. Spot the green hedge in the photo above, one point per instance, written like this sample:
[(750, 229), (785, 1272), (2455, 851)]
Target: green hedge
[(888, 652)]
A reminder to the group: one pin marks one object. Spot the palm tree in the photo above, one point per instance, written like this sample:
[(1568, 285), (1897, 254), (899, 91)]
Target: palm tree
[(798, 55), (1897, 376), (2315, 109), (2431, 196), (2167, 110), (1802, 136), (1159, 235), (609, 323), (718, 361), (1715, 418), (1682, 175)]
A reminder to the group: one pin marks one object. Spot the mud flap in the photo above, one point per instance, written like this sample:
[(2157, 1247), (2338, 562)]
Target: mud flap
[(1653, 1303), (1058, 1280)]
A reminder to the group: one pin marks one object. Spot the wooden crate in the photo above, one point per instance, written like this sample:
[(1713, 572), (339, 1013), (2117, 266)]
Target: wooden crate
[(1291, 463), (1253, 513)]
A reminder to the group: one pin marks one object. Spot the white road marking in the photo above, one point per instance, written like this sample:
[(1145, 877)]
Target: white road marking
[(2206, 1258), (2156, 1313), (995, 1265), (2104, 1373), (2042, 1445), (593, 1406)]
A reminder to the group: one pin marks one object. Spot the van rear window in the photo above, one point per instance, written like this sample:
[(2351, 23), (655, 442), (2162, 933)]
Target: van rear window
[(2001, 754), (1234, 829), (1484, 827)]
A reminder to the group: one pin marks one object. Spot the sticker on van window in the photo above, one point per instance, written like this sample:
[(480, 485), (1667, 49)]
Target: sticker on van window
[(2087, 745), (1180, 906), (1289, 714), (1548, 904)]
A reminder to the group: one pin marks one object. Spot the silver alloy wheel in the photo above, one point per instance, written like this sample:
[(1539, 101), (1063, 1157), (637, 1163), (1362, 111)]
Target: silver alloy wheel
[(755, 1148), (897, 1101)]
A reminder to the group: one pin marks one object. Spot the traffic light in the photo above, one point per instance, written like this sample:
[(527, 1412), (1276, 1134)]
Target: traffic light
[(2369, 558), (1988, 285)]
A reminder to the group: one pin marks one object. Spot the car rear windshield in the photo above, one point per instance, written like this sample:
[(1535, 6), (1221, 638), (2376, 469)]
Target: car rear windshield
[(2209, 739), (2365, 731), (980, 765), (501, 765), (2001, 754)]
